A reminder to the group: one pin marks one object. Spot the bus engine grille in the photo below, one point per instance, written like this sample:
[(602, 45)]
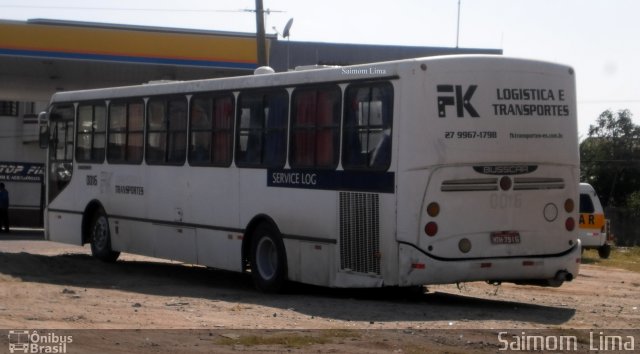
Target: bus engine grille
[(492, 184), (360, 232)]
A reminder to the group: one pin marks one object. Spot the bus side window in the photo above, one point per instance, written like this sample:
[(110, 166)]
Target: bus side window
[(135, 132), (315, 127), (126, 126), (211, 129), (177, 143), (90, 146), (367, 126), (222, 147), (262, 126), (117, 132), (167, 131)]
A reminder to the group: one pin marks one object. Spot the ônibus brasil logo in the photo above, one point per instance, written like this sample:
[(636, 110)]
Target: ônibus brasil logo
[(453, 95), (34, 342)]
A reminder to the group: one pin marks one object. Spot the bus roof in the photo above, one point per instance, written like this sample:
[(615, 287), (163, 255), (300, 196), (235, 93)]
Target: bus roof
[(362, 72)]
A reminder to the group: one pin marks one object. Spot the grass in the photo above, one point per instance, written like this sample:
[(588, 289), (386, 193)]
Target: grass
[(621, 257)]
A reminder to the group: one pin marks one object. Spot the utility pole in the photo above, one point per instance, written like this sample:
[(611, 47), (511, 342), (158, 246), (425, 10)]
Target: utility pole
[(458, 25), (260, 35)]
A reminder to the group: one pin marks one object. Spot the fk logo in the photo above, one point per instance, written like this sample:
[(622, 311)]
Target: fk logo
[(461, 100)]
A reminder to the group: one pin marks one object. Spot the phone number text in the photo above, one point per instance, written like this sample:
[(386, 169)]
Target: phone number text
[(471, 135)]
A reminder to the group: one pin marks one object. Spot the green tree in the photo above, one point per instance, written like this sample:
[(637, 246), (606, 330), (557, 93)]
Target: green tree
[(610, 157), (633, 203)]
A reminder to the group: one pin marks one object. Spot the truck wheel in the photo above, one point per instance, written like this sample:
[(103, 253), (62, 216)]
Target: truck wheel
[(101, 239), (268, 259), (604, 251)]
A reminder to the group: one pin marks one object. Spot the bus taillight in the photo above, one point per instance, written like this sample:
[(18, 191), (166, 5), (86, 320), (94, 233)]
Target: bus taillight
[(431, 229), (569, 205), (570, 224), (433, 209)]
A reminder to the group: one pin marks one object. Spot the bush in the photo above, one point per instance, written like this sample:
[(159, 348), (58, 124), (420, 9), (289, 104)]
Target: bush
[(633, 203)]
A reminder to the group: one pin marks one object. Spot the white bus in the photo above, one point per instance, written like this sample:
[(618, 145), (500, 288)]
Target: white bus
[(402, 173)]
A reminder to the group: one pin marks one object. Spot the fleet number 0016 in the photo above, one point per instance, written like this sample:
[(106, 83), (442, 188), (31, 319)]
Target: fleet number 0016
[(504, 201)]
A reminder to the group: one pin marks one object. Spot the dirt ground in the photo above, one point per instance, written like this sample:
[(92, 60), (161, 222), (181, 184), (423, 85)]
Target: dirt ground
[(142, 305)]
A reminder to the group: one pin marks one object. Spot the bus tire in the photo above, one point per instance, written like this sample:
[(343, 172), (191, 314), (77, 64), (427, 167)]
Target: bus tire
[(268, 259), (604, 251), (101, 238)]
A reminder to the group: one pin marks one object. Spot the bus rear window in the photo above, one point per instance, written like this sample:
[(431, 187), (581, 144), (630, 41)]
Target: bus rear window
[(367, 126)]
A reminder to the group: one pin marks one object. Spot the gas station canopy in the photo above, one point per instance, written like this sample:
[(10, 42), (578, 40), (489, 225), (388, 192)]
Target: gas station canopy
[(40, 57)]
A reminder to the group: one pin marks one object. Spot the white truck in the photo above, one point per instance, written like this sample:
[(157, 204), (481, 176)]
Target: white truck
[(593, 224)]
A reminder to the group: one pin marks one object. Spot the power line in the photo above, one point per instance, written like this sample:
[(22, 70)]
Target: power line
[(122, 9), (611, 101)]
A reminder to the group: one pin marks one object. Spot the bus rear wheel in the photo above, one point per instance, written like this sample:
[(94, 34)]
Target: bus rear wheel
[(101, 239), (268, 259)]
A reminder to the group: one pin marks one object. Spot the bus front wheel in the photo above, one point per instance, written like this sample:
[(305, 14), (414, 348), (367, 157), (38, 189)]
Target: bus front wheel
[(268, 259), (101, 239)]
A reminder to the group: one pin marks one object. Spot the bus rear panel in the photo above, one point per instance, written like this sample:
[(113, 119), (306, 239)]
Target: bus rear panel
[(488, 174)]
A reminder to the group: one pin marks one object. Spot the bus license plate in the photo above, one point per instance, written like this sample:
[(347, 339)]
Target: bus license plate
[(505, 237)]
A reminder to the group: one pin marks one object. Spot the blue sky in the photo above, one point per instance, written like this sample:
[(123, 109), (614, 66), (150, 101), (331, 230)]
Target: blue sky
[(599, 38)]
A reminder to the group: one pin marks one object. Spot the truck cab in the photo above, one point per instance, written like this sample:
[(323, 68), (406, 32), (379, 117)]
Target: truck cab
[(593, 224)]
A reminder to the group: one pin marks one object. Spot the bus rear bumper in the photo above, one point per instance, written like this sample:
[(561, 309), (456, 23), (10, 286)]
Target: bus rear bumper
[(418, 268)]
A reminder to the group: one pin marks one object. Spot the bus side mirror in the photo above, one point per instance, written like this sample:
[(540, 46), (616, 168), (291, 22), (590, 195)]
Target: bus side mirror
[(43, 126)]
